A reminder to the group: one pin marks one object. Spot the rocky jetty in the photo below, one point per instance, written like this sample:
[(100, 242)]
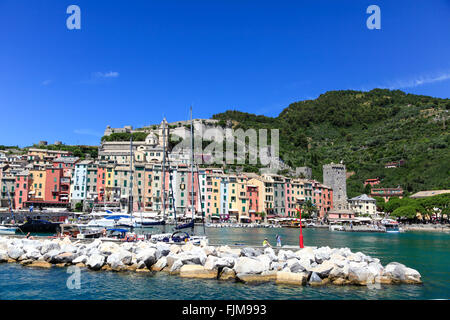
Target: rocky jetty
[(308, 266)]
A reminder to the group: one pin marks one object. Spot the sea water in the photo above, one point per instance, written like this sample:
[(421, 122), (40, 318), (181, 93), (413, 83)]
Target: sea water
[(427, 252)]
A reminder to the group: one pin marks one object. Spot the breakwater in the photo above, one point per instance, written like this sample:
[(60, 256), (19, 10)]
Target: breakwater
[(309, 266)]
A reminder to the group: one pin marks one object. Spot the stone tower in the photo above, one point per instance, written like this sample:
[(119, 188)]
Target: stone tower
[(334, 176)]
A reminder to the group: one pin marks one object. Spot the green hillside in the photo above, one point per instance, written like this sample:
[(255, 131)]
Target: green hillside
[(365, 130)]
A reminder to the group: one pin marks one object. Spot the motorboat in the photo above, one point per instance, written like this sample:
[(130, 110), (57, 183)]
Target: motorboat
[(178, 237), (77, 231), (38, 226), (7, 230), (391, 225), (336, 227)]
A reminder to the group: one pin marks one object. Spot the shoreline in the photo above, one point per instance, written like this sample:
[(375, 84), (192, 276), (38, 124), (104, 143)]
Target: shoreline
[(309, 266), (427, 228)]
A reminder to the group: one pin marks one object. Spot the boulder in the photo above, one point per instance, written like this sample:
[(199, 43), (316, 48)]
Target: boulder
[(192, 257), (245, 265), (108, 248), (48, 246), (284, 255), (33, 254), (171, 258), (69, 248), (398, 272), (265, 260), (94, 244), (197, 271), (15, 253), (125, 256), (148, 256), (339, 273), (305, 254), (360, 275), (210, 262), (291, 278), (278, 266), (40, 264), (3, 256), (95, 262), (224, 262), (314, 279), (163, 248), (128, 246), (52, 253), (412, 276), (226, 251), (376, 269), (176, 266), (160, 264), (210, 250), (295, 266), (80, 259), (250, 252), (65, 257), (269, 251), (256, 278), (175, 249), (321, 254), (227, 274), (323, 269), (26, 262), (187, 247)]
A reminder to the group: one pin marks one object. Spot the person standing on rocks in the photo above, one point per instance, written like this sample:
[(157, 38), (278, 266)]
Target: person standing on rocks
[(278, 240)]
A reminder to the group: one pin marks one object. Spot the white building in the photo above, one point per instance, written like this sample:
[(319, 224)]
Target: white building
[(363, 204), (78, 190)]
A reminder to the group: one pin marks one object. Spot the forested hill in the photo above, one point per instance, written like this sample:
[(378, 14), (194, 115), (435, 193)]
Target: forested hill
[(365, 130)]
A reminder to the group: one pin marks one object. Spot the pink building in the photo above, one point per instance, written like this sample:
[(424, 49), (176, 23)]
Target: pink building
[(254, 206), (322, 198), (21, 192)]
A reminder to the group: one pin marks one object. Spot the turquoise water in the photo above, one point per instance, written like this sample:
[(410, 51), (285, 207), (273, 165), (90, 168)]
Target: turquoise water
[(428, 253)]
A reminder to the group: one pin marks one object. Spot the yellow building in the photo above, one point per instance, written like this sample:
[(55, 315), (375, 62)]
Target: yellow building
[(37, 185)]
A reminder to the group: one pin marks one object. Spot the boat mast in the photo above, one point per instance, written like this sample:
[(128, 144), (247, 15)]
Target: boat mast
[(130, 200), (164, 173), (192, 166), (9, 201)]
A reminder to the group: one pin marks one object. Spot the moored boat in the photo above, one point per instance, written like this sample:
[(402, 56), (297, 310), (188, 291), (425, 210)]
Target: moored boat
[(38, 226), (7, 230), (390, 225)]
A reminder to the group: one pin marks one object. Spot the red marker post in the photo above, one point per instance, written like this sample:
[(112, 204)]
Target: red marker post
[(301, 234)]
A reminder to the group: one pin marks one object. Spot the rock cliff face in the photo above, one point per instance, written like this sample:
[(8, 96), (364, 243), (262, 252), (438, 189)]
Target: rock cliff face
[(308, 266)]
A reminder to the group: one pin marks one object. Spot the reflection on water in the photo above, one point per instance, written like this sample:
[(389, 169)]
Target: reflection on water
[(426, 252)]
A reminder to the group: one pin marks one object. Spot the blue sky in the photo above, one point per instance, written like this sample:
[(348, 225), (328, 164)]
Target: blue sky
[(134, 62)]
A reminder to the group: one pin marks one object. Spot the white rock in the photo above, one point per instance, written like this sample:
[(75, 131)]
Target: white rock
[(265, 260), (176, 265), (210, 262), (95, 261), (80, 259), (224, 262), (3, 255), (108, 248), (15, 253), (245, 265), (33, 254), (161, 263)]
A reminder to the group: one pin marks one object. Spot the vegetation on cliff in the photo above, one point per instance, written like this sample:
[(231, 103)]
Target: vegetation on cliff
[(365, 130)]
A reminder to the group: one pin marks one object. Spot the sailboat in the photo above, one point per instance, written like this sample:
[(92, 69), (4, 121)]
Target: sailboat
[(181, 236)]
